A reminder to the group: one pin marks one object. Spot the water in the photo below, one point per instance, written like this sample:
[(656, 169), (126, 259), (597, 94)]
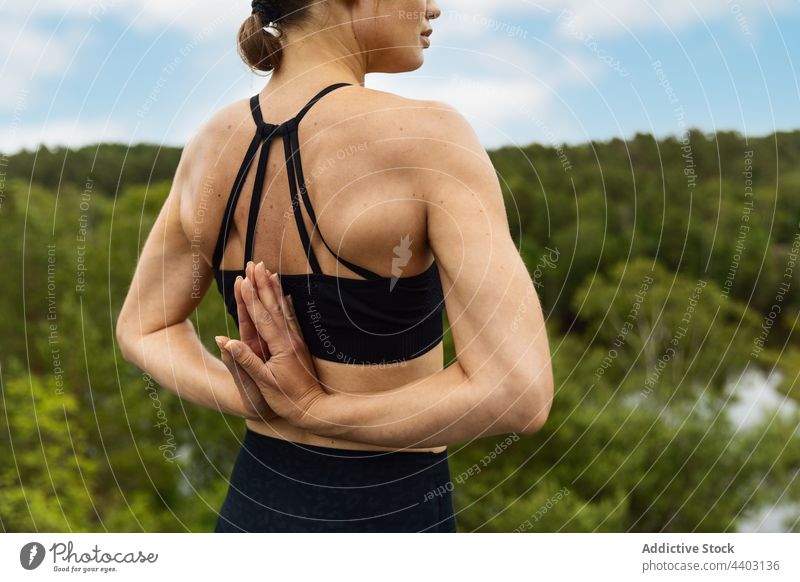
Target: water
[(758, 401)]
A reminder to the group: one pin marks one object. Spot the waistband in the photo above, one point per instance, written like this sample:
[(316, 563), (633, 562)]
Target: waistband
[(258, 442), (267, 460)]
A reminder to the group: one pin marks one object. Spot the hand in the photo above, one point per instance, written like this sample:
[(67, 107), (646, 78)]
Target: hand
[(287, 380), (255, 407), (247, 329), (253, 403)]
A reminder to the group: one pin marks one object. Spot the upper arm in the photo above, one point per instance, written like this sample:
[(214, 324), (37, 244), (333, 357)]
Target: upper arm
[(492, 306), (172, 275)]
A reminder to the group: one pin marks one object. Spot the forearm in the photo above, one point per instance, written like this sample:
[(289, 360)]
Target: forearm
[(178, 361), (441, 409)]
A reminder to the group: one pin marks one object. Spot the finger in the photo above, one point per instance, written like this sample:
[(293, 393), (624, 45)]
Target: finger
[(250, 274), (250, 391), (248, 270), (263, 319), (229, 362), (267, 282), (258, 370), (245, 323), (269, 292), (243, 380), (266, 292), (259, 279), (244, 318), (291, 316), (247, 329), (283, 301), (246, 326), (225, 355)]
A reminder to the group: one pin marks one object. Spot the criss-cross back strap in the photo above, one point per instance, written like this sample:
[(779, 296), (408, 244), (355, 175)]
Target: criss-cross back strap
[(316, 99), (233, 199), (264, 134), (298, 166)]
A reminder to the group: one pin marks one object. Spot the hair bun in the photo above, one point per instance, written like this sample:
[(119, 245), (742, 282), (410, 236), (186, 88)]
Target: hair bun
[(267, 9), (259, 38)]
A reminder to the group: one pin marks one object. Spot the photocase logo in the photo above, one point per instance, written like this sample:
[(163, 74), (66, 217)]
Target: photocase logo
[(402, 254), (31, 555)]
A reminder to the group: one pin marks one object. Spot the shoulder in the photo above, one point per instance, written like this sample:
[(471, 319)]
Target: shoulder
[(429, 137), (207, 152), (221, 129), (414, 132), (204, 174), (396, 113)]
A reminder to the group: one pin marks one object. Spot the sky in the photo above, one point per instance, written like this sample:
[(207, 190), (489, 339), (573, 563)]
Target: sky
[(77, 72)]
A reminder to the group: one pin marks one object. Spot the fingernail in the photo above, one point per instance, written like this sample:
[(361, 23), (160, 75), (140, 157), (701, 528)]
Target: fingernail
[(220, 340), (274, 279)]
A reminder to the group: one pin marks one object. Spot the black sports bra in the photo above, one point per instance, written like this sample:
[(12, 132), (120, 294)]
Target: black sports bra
[(374, 320)]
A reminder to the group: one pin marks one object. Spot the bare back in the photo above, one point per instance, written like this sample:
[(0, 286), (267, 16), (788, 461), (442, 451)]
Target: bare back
[(369, 210)]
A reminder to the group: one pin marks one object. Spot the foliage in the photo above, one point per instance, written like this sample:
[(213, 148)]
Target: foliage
[(639, 438)]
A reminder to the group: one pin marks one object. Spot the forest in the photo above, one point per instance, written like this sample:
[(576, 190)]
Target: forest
[(668, 271)]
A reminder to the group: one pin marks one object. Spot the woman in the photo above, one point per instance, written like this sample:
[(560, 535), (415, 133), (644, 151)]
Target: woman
[(393, 213)]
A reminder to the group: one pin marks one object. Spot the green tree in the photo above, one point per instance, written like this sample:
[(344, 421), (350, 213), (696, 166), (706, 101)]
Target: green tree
[(47, 472)]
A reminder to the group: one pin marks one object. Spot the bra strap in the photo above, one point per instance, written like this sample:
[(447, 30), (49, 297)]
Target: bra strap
[(267, 131), (227, 219), (255, 109), (262, 138), (258, 188), (238, 184), (291, 170), (366, 273), (315, 99)]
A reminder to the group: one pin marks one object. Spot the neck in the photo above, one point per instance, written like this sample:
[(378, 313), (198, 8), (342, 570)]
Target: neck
[(312, 58)]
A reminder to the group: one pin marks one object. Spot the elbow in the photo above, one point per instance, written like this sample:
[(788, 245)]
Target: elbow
[(529, 400), (124, 340)]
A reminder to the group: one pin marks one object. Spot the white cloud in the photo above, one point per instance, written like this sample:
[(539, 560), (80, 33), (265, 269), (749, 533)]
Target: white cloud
[(601, 18), (468, 19), (491, 106), (623, 17), (470, 95), (30, 54), (522, 92), (460, 18), (35, 54), (505, 64), (188, 16)]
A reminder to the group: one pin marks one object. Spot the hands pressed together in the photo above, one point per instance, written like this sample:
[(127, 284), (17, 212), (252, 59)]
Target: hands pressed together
[(271, 364)]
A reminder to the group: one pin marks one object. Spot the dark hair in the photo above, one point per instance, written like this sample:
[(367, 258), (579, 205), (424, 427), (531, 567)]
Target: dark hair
[(258, 47)]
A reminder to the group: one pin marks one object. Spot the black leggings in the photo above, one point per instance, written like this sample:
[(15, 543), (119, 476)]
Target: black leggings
[(282, 486)]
